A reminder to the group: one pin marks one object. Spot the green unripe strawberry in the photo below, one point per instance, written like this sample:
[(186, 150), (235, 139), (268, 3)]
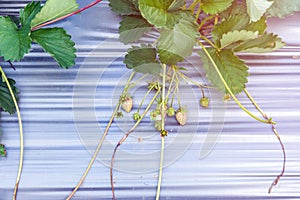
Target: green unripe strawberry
[(204, 102), (227, 97), (171, 112), (155, 115), (136, 116), (158, 125)]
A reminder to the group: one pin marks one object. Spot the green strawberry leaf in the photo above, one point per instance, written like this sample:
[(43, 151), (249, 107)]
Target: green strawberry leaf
[(215, 6), (29, 12), (235, 37), (14, 42), (164, 13), (236, 8), (132, 28), (237, 23), (57, 43), (233, 70), (6, 101), (267, 42), (124, 7), (234, 22), (257, 8), (2, 150), (142, 59), (54, 9), (260, 26), (282, 8), (176, 5), (176, 44)]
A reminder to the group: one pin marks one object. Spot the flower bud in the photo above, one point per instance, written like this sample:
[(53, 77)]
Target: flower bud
[(163, 133), (136, 116), (170, 112)]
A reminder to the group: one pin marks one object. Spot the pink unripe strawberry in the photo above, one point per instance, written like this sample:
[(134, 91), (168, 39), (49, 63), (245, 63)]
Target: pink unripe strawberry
[(181, 116), (127, 104)]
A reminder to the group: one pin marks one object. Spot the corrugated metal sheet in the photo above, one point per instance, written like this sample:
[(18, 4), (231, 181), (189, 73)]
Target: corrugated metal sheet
[(65, 111)]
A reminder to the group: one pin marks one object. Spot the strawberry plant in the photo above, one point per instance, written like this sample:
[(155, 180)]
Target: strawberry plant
[(217, 31)]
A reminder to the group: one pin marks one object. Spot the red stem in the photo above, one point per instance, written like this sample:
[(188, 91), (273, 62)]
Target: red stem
[(66, 16)]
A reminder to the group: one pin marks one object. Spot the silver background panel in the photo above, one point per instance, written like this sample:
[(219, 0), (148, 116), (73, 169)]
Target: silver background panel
[(57, 105)]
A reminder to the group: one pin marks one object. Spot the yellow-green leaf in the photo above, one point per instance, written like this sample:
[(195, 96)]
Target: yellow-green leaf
[(267, 42), (215, 6), (176, 44), (237, 36), (157, 12), (54, 9)]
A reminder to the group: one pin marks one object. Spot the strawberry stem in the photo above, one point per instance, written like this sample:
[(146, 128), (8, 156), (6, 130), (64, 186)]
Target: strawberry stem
[(66, 16), (124, 138), (101, 140), (162, 137), (277, 136), (21, 134)]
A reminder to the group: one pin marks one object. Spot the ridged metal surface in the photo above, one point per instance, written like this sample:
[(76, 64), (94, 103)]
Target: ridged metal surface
[(242, 165)]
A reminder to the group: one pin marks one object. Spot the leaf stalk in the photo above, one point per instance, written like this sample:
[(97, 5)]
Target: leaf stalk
[(66, 16)]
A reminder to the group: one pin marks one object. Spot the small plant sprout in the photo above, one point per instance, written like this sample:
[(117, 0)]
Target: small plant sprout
[(2, 150)]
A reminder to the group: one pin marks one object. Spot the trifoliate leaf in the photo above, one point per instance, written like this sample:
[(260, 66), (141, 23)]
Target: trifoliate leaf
[(176, 44), (14, 42), (263, 44), (54, 9), (142, 59), (2, 150), (6, 101), (132, 28), (234, 37), (233, 70), (257, 8), (237, 22), (234, 22), (282, 8), (157, 12), (124, 7), (58, 44), (215, 6), (29, 12)]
